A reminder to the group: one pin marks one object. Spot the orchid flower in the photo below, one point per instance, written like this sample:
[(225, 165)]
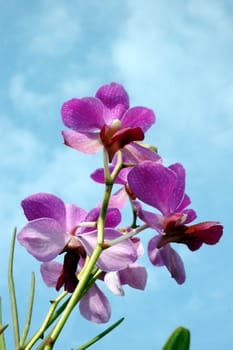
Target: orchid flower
[(55, 228), (105, 120), (94, 305), (164, 189)]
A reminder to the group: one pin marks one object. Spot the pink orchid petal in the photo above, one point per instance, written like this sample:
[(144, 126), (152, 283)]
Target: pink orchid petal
[(138, 246), (50, 272), (74, 216), (178, 192), (138, 117), (153, 220), (174, 263), (154, 252), (98, 175), (43, 238), (118, 199), (83, 115), (114, 258), (113, 282), (112, 219), (135, 276), (153, 184), (94, 306), (114, 113), (44, 205), (166, 256), (184, 203), (113, 96), (191, 215), (136, 154), (84, 142)]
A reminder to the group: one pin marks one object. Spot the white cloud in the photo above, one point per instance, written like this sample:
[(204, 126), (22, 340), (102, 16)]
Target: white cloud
[(30, 100), (26, 99), (179, 53), (66, 174), (28, 166)]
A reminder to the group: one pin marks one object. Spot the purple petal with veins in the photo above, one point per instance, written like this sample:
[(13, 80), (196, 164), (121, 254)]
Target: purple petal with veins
[(112, 219), (44, 205), (83, 115), (113, 95), (177, 195), (138, 117), (158, 179)]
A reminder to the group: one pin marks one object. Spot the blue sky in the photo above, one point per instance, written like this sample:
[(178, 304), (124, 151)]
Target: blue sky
[(172, 56)]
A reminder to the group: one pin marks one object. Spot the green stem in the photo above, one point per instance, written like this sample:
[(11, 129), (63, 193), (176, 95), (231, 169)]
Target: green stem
[(118, 167), (101, 335), (134, 212), (128, 235), (109, 181), (104, 208), (29, 313), (2, 329), (14, 310), (46, 323)]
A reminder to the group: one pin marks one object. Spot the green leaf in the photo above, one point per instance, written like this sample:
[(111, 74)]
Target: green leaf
[(101, 335), (178, 340), (11, 283), (2, 329)]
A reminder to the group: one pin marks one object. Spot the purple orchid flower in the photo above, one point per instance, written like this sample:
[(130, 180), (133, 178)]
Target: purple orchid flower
[(54, 228), (105, 120), (164, 189), (94, 305)]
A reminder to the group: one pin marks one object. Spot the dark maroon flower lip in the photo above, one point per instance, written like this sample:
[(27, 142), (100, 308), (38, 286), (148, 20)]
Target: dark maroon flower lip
[(114, 141), (68, 276), (193, 236)]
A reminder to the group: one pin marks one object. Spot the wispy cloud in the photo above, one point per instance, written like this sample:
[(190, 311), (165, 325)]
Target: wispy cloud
[(182, 56), (27, 99)]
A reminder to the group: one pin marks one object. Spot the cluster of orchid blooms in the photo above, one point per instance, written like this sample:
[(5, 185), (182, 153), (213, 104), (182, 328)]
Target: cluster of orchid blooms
[(156, 194)]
